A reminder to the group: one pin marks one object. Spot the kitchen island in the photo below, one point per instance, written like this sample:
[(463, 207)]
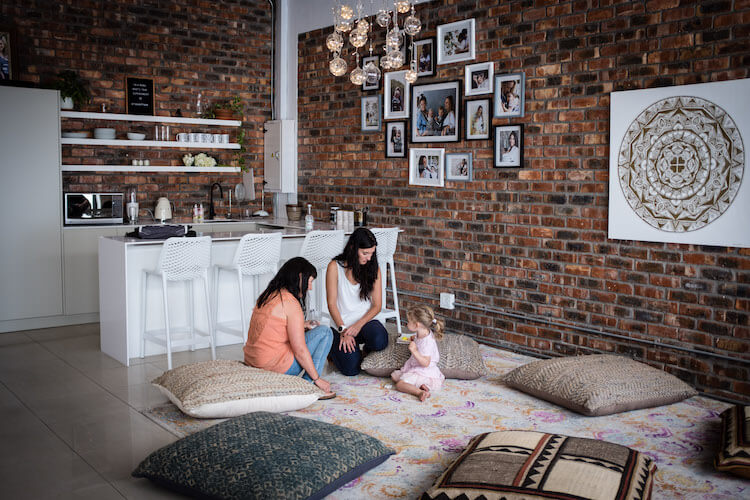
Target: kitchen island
[(122, 260)]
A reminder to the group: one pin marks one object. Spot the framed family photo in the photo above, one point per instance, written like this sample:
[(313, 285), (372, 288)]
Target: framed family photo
[(424, 51), (455, 42), (395, 139), (426, 167), (509, 95), (371, 113), (509, 146), (478, 79), (396, 95), (458, 166), (371, 83), (436, 112), (478, 119), (8, 60)]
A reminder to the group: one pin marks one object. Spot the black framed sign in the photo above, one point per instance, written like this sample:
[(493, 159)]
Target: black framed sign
[(139, 93)]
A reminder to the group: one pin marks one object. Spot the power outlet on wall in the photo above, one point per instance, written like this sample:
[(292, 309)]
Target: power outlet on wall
[(447, 300)]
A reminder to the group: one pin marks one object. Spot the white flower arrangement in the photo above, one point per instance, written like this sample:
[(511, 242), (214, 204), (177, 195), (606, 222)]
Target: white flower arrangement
[(188, 160), (203, 160)]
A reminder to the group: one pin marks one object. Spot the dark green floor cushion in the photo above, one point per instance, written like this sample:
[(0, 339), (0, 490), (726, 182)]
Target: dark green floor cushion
[(264, 455)]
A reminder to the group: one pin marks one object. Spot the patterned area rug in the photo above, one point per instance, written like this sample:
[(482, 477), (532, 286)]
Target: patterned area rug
[(681, 438)]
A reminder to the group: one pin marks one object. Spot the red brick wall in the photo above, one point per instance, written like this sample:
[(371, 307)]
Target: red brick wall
[(219, 48), (531, 243)]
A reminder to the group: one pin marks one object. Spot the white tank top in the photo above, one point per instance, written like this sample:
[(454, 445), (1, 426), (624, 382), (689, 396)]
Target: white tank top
[(351, 307)]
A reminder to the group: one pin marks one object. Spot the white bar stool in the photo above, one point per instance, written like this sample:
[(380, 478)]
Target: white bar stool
[(181, 259), (387, 239), (256, 255), (319, 248)]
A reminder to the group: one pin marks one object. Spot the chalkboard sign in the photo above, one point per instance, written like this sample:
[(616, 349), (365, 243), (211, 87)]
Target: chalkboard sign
[(140, 96)]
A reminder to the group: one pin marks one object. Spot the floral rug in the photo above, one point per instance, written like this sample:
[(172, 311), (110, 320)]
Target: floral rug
[(681, 437)]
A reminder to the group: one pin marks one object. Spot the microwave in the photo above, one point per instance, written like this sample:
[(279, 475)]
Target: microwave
[(93, 208)]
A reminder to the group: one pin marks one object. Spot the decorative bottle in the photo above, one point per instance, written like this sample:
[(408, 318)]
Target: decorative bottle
[(309, 218)]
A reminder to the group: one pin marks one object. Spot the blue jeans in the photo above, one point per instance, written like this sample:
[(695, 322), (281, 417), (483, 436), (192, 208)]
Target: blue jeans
[(373, 335), (318, 342)]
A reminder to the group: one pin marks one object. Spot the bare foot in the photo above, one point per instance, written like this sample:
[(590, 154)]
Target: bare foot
[(425, 392)]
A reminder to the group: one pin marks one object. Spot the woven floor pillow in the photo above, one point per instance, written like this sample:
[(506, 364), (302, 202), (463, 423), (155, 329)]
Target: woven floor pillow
[(734, 454), (516, 465), (263, 456), (599, 384), (224, 389), (459, 358)]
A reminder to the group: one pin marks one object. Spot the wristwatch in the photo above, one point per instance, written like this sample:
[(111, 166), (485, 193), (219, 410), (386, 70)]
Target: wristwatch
[(341, 328)]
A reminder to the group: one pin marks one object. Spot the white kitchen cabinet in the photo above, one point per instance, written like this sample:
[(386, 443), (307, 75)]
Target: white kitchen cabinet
[(81, 267), (31, 206)]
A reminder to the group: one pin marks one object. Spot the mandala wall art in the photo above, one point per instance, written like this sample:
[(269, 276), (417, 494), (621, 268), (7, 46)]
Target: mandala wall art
[(678, 160)]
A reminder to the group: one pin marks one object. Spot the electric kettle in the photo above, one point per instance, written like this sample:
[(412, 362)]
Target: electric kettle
[(163, 210)]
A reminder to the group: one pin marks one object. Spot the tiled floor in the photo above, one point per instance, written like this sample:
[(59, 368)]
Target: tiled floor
[(71, 426)]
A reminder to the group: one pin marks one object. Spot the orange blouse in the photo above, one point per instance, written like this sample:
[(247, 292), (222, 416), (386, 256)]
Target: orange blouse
[(267, 345)]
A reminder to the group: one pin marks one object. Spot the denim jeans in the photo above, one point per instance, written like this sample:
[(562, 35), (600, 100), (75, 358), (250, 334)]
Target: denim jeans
[(318, 341), (373, 335)]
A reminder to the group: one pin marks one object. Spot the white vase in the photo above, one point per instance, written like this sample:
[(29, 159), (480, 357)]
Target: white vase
[(66, 103), (249, 182)]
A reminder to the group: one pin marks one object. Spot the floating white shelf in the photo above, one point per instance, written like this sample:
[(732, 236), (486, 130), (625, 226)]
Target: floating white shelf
[(150, 168), (155, 144), (147, 118)]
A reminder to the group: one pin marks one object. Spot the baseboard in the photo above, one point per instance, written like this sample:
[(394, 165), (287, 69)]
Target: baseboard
[(17, 325)]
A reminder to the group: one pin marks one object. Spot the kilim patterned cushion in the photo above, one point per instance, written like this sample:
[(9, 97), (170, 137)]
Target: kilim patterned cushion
[(514, 465), (734, 455), (264, 456), (599, 384), (459, 358), (224, 389)]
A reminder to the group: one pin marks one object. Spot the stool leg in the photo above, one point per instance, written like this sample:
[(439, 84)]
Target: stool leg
[(211, 337), (191, 309), (215, 298), (242, 304), (166, 323), (144, 288), (395, 297)]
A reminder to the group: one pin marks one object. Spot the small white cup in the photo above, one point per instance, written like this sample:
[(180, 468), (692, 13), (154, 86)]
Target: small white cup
[(195, 137), (183, 137), (206, 138), (225, 138)]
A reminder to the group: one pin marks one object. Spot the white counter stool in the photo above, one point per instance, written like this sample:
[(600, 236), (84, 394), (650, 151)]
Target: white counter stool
[(185, 260), (387, 239), (319, 248), (256, 255)]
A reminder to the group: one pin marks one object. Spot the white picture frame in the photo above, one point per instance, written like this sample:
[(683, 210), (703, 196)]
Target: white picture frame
[(478, 78), (458, 166), (456, 41), (370, 113), (396, 95), (478, 119), (424, 53), (427, 167), (510, 92)]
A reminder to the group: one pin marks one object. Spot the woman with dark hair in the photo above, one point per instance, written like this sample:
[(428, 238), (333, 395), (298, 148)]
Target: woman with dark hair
[(279, 339), (449, 122), (354, 296)]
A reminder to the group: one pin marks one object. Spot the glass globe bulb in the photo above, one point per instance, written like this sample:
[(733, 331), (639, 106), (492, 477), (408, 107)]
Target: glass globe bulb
[(346, 12), (394, 39), (402, 6), (372, 72), (343, 26), (397, 58), (412, 24), (334, 42), (410, 76), (385, 62), (383, 18), (357, 77), (358, 38), (363, 25), (337, 66)]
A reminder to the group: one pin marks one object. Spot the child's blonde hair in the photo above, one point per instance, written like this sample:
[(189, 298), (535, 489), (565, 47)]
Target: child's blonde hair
[(426, 316)]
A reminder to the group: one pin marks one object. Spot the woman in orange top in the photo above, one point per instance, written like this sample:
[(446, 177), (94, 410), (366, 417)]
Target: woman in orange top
[(279, 339)]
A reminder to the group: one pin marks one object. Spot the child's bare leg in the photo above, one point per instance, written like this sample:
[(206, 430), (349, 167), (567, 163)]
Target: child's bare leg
[(425, 392), (412, 389)]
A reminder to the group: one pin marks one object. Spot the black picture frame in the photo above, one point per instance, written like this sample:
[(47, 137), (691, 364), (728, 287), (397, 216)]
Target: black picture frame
[(391, 147), (502, 157), (423, 127), (470, 107), (139, 95), (8, 54), (424, 51), (375, 83)]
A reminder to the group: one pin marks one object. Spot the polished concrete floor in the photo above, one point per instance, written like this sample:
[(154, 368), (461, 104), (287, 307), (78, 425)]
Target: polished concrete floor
[(70, 421)]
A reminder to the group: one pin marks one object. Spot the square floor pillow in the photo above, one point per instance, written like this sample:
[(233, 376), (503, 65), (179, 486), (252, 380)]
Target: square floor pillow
[(516, 465), (734, 454), (598, 384), (459, 358), (264, 455), (224, 389)]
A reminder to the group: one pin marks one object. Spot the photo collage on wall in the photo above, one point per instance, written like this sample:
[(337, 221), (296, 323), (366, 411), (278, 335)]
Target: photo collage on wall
[(417, 115)]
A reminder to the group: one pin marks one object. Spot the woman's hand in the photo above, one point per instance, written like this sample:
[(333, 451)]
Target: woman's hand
[(310, 324), (353, 329), (347, 342), (323, 385)]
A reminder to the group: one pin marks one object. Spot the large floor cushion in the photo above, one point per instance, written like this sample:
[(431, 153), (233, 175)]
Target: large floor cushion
[(516, 465), (224, 389), (459, 358), (599, 384), (734, 453), (264, 455)]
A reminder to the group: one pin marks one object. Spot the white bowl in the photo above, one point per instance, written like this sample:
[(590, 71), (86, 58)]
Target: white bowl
[(104, 133), (135, 136), (75, 135)]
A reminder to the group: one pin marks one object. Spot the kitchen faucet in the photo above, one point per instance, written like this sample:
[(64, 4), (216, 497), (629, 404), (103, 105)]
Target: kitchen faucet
[(211, 211)]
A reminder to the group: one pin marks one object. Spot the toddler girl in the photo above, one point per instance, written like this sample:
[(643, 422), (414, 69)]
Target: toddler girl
[(420, 374)]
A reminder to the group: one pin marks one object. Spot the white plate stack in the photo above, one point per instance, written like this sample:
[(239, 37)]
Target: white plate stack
[(104, 133)]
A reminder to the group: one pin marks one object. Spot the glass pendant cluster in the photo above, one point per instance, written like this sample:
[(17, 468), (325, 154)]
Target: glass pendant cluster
[(359, 31)]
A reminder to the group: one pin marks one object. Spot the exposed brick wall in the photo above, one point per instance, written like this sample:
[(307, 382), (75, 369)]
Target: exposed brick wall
[(219, 48), (531, 243)]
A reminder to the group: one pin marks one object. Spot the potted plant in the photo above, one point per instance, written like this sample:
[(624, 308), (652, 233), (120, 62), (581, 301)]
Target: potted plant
[(226, 110), (74, 90)]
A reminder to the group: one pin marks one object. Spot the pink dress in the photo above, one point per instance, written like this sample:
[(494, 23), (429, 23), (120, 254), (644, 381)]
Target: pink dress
[(417, 375)]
